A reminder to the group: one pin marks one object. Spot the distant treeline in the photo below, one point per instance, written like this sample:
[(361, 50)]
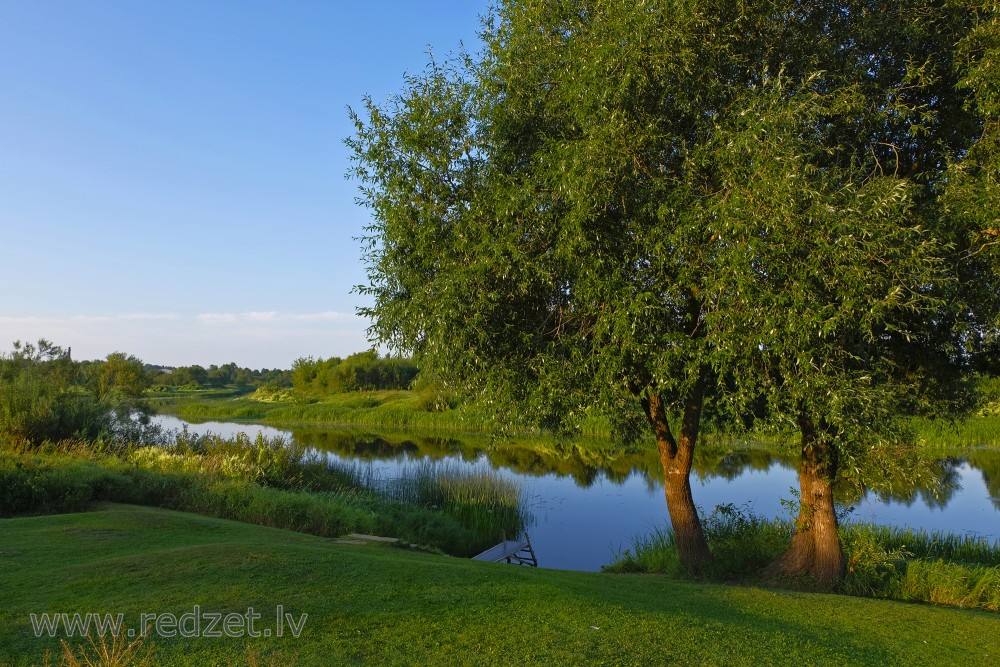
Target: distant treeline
[(365, 371), (362, 371), (227, 375), (47, 395)]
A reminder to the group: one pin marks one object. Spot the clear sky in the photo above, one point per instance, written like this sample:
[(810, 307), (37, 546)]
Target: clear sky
[(172, 173)]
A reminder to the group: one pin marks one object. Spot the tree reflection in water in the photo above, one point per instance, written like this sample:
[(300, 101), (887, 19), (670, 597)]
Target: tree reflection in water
[(934, 481)]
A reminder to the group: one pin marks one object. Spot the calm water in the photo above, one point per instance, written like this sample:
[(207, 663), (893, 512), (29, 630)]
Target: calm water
[(584, 514)]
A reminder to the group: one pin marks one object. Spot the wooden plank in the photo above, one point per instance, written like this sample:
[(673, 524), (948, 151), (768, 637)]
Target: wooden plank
[(502, 551), (373, 538)]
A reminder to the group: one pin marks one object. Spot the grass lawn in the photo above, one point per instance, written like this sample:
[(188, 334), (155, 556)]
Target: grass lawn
[(375, 604)]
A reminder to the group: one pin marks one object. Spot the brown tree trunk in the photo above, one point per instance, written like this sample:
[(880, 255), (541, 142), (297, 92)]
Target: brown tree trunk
[(815, 548), (677, 458)]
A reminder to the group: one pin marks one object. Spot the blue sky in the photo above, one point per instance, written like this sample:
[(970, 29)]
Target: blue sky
[(172, 173)]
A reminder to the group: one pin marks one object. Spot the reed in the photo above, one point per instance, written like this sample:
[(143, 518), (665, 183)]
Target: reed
[(975, 432), (882, 562), (741, 544), (927, 545), (268, 482), (945, 583), (652, 553)]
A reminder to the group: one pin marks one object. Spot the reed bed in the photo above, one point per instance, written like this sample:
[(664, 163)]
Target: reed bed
[(483, 500), (882, 562), (928, 545), (265, 481), (975, 432)]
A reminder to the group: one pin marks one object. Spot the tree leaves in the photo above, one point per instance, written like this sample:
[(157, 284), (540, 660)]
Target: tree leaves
[(616, 197)]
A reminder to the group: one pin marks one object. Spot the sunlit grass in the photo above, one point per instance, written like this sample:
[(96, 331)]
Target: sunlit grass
[(371, 605), (881, 562), (979, 431)]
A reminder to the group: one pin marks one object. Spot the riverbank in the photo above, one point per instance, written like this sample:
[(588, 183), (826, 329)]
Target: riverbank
[(268, 483), (393, 409), (382, 605), (412, 412)]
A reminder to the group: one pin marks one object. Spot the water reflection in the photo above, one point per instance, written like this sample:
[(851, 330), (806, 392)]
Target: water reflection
[(589, 501)]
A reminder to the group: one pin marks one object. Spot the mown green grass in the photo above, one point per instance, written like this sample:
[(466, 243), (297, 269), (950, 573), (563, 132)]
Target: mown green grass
[(381, 605)]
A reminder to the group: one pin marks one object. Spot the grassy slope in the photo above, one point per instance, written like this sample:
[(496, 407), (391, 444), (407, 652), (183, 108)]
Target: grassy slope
[(381, 605)]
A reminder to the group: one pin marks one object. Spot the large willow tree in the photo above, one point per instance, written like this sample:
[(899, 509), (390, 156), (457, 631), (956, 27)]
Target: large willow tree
[(644, 206)]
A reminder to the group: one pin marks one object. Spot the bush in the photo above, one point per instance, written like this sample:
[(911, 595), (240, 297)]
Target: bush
[(891, 563), (741, 544)]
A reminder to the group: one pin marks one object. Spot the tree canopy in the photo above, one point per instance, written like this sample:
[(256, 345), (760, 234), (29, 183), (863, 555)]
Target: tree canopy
[(642, 206)]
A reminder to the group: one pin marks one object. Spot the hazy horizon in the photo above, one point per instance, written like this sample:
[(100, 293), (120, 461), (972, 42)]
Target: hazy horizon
[(172, 174)]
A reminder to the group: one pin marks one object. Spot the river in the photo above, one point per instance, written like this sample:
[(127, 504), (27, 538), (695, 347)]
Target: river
[(584, 513)]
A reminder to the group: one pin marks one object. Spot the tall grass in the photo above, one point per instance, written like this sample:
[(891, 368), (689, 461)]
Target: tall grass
[(927, 545), (882, 562), (741, 544), (979, 431), (951, 584), (489, 504), (652, 553), (264, 481)]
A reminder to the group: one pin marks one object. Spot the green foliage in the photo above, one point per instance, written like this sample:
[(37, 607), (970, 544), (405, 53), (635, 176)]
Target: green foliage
[(741, 543), (227, 375), (882, 562), (871, 561), (268, 482), (363, 371), (988, 388), (610, 201), (45, 395), (120, 376), (45, 487)]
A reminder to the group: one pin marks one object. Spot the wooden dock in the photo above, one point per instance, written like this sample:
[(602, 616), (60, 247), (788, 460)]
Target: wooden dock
[(517, 551)]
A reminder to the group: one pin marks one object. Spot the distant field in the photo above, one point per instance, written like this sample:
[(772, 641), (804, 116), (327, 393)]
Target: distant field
[(387, 409), (412, 410)]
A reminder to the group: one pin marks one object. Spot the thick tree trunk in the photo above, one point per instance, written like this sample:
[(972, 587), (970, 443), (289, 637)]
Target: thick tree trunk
[(677, 458), (815, 548)]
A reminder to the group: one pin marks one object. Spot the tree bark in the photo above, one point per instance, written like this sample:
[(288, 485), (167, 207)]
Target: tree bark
[(815, 548), (677, 456)]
